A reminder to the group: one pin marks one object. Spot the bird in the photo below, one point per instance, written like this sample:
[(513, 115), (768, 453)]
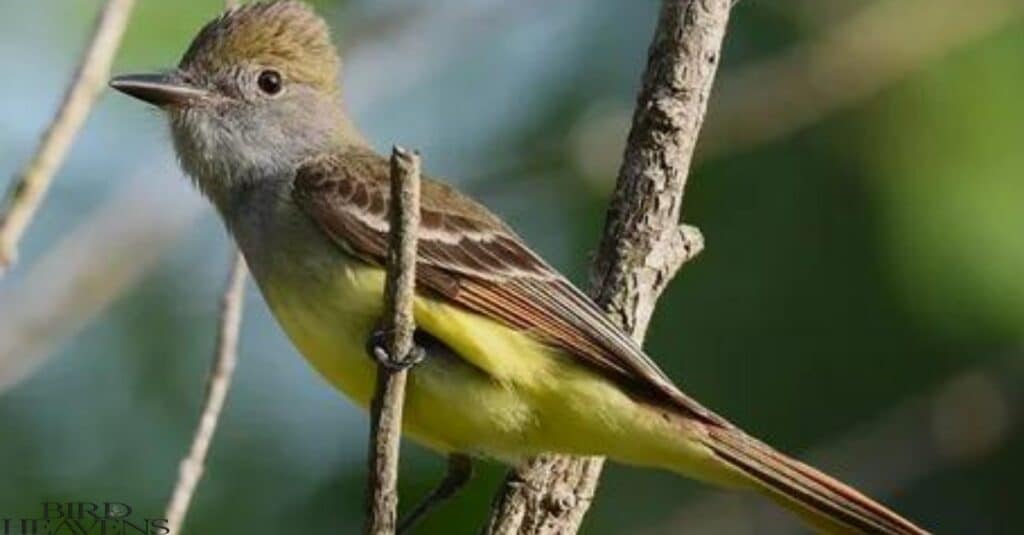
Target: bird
[(516, 362)]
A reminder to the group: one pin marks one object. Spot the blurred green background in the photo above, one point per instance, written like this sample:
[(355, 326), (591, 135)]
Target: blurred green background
[(860, 186)]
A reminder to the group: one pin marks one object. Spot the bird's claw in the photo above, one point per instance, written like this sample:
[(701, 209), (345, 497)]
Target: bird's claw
[(377, 347)]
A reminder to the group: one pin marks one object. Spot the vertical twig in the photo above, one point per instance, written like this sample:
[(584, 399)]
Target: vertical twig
[(191, 469), (643, 244), (29, 186), (386, 410)]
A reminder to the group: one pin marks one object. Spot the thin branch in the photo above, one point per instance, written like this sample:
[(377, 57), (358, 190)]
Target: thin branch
[(218, 384), (850, 62), (643, 245), (964, 419), (29, 186), (386, 409)]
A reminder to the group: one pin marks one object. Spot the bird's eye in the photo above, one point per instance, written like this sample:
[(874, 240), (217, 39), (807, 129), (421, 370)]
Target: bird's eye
[(270, 82)]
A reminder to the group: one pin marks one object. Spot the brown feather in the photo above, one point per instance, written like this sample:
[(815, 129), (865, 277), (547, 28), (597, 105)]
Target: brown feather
[(284, 34), (823, 500), (468, 257), (471, 258)]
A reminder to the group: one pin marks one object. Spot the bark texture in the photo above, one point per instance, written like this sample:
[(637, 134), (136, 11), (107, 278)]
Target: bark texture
[(399, 287), (643, 244)]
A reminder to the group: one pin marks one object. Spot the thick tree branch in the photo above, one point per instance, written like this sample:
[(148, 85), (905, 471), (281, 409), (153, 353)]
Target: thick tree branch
[(218, 384), (399, 288), (29, 187), (643, 245)]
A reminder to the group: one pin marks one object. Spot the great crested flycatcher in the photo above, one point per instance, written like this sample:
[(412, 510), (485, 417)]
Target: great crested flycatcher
[(518, 361)]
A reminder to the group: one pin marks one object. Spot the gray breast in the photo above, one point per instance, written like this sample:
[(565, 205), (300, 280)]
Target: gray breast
[(277, 239)]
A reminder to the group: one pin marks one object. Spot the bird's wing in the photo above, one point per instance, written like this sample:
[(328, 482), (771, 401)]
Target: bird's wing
[(469, 257)]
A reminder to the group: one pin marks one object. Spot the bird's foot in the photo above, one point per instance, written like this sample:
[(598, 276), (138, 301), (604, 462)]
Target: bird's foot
[(458, 474), (377, 348)]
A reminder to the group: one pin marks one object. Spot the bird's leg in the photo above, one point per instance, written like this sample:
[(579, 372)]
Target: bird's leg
[(377, 348), (460, 471)]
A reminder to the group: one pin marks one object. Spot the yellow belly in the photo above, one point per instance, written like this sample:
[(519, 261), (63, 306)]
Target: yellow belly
[(504, 396), (449, 403)]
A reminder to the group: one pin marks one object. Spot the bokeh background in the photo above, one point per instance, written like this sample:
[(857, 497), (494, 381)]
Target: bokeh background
[(860, 184)]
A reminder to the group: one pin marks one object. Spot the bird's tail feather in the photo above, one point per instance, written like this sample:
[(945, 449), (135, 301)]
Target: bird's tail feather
[(822, 501)]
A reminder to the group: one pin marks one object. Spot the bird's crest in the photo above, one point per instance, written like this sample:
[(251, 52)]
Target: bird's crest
[(284, 34)]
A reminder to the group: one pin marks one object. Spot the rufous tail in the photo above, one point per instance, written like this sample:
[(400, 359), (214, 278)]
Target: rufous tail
[(825, 503)]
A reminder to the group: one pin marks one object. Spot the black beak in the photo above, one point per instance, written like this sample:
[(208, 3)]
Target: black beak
[(162, 90)]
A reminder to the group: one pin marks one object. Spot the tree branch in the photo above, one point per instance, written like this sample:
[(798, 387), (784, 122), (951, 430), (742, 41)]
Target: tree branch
[(399, 288), (643, 245), (29, 186), (218, 384)]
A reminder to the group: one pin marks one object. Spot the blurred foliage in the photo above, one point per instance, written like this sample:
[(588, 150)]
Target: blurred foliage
[(849, 265), (949, 162)]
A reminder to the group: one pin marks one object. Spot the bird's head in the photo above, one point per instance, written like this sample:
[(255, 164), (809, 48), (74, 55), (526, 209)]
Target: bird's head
[(255, 94)]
